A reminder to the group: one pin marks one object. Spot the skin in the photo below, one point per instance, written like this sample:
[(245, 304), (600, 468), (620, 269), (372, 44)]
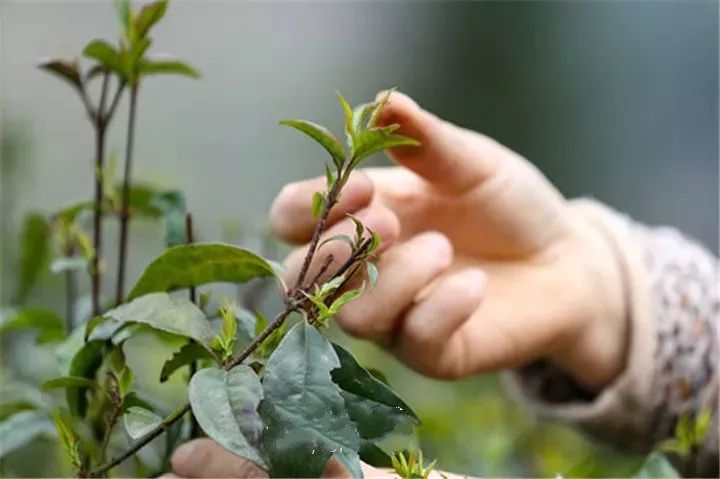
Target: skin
[(484, 266)]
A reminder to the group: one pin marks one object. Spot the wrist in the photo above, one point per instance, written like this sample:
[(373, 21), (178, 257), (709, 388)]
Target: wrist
[(595, 354)]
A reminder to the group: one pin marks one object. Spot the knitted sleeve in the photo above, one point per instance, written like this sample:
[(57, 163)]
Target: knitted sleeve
[(672, 364)]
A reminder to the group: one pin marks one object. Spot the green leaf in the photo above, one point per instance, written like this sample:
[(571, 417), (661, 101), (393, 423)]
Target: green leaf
[(225, 405), (373, 455), (171, 67), (368, 142), (176, 315), (107, 55), (50, 326), (185, 355), (372, 405), (318, 202), (657, 466), (68, 439), (360, 116), (19, 396), (124, 12), (303, 411), (344, 238), (65, 69), (171, 205), (198, 264), (348, 114), (34, 253), (343, 299), (22, 428), (321, 135), (703, 421), (69, 382), (139, 421), (85, 364), (148, 16)]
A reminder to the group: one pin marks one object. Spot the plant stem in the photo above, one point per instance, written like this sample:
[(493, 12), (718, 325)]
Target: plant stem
[(194, 426), (112, 420), (124, 209), (100, 123), (142, 442), (70, 293), (330, 201)]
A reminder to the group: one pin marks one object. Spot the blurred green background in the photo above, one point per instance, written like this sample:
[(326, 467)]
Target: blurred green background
[(616, 100)]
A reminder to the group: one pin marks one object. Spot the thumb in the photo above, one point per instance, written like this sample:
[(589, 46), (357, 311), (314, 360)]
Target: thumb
[(451, 158)]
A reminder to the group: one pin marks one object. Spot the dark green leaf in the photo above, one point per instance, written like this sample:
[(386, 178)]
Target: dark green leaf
[(148, 16), (20, 429), (187, 354), (368, 142), (373, 406), (69, 382), (379, 375), (198, 264), (318, 201), (303, 411), (171, 205), (65, 69), (225, 405), (84, 364), (139, 421), (106, 55), (34, 253), (49, 325), (176, 315), (373, 455), (172, 67), (321, 135), (657, 466)]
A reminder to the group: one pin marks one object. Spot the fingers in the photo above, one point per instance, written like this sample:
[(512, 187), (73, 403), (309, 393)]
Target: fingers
[(426, 334), (377, 218), (451, 158), (291, 213), (404, 271), (205, 458)]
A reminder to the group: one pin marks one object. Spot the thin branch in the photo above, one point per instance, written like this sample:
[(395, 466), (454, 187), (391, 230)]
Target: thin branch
[(70, 293), (125, 206), (112, 420), (323, 269), (142, 442), (194, 426), (107, 116)]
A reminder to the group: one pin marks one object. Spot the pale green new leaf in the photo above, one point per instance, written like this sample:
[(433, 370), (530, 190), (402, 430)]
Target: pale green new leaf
[(318, 201), (198, 264), (176, 315), (148, 16), (368, 142), (225, 405), (166, 66), (303, 411), (107, 55), (139, 421), (321, 135)]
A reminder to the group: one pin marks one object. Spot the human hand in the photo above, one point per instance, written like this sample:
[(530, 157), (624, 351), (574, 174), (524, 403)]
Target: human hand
[(484, 264)]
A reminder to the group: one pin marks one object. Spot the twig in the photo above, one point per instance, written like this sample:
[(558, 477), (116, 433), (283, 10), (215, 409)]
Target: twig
[(70, 293), (323, 269), (112, 420), (194, 426), (142, 442), (124, 209)]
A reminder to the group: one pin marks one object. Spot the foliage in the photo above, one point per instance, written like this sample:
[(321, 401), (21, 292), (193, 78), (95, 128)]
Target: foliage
[(275, 391)]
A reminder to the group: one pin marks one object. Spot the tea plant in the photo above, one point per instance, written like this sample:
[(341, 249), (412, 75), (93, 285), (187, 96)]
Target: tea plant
[(275, 391)]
